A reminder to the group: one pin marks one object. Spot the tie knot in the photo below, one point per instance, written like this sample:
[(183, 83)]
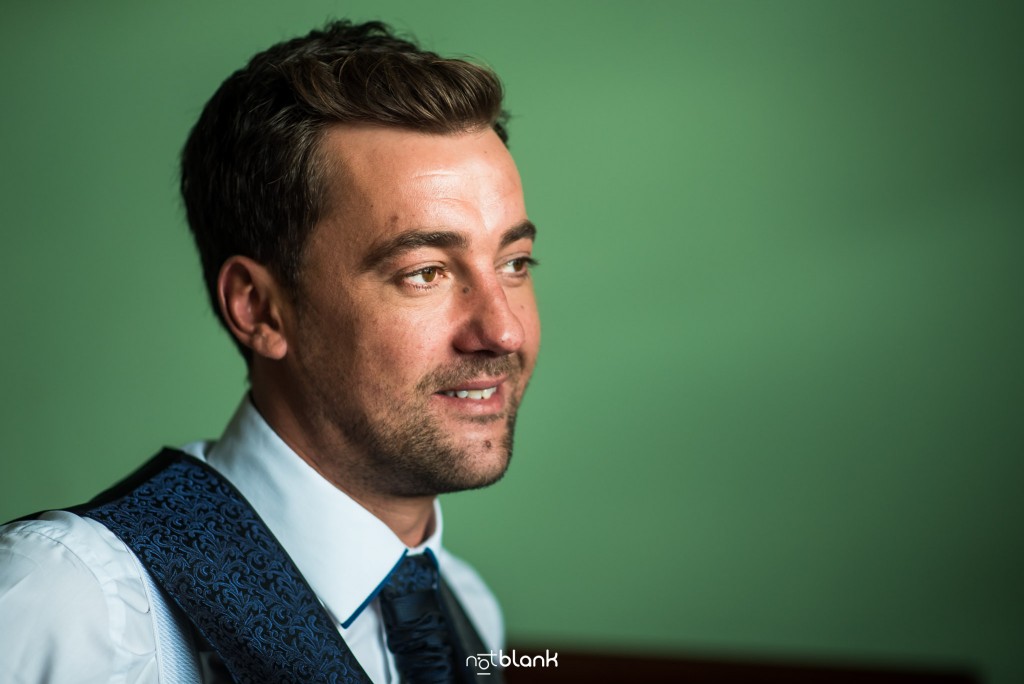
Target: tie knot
[(418, 634), (414, 573)]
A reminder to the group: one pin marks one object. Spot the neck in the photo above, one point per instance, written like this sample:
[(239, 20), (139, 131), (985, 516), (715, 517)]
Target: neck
[(410, 518)]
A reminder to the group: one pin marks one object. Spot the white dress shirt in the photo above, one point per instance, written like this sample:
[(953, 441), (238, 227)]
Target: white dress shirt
[(77, 606)]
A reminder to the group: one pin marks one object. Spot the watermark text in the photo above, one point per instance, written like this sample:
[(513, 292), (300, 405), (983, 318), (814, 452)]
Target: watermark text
[(483, 663)]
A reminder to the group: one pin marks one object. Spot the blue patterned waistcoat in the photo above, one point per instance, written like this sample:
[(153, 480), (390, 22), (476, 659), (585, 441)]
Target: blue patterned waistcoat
[(213, 556)]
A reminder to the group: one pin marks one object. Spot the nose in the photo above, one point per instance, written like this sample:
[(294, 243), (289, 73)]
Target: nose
[(489, 322)]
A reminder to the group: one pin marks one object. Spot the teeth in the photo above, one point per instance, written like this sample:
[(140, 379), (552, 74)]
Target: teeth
[(471, 394)]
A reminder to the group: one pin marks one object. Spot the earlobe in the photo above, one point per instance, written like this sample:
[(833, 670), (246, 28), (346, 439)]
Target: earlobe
[(252, 305)]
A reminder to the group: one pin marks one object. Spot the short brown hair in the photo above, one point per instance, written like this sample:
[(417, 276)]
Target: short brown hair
[(251, 174)]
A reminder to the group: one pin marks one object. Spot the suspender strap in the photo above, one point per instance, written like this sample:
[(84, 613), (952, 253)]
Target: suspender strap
[(215, 558)]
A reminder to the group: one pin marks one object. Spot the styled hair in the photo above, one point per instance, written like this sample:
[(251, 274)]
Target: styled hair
[(252, 175)]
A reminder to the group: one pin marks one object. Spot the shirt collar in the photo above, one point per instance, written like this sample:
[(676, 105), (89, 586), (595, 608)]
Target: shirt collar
[(343, 550)]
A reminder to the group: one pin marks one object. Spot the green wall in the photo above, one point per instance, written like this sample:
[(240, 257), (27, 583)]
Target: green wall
[(779, 406)]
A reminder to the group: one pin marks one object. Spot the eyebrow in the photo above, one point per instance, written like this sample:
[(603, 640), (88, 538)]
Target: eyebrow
[(442, 239), (526, 230)]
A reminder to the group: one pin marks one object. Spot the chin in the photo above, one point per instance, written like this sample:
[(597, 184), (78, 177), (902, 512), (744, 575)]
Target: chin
[(428, 457), (488, 467), (473, 467)]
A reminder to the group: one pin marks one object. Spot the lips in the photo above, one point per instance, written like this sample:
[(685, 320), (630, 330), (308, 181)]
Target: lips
[(479, 386), (485, 393)]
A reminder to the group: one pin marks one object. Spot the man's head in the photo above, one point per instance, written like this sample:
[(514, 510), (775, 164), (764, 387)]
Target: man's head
[(364, 239), (253, 172)]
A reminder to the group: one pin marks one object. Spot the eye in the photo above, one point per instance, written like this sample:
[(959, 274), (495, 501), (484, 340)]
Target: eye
[(424, 277), (518, 267)]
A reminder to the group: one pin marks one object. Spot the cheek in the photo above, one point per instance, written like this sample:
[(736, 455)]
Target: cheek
[(526, 311), (402, 344), (531, 331)]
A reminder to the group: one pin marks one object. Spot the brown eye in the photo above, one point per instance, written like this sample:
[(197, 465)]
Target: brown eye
[(517, 267), (425, 276)]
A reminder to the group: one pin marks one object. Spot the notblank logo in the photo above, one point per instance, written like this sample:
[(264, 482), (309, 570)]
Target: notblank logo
[(483, 663)]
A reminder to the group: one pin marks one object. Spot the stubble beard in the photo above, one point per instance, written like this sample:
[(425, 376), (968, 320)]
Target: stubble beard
[(410, 454)]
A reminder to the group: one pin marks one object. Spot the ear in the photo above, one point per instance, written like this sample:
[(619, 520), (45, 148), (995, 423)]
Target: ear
[(253, 304)]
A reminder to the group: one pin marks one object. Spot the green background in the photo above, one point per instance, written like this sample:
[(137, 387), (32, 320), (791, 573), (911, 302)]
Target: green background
[(779, 405)]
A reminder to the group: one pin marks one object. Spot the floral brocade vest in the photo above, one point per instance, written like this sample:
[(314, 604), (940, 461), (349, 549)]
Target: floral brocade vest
[(217, 561), (220, 565)]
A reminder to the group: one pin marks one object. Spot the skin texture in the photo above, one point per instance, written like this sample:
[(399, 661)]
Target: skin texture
[(416, 282)]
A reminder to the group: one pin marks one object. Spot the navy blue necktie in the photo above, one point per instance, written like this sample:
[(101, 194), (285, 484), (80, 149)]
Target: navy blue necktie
[(418, 634)]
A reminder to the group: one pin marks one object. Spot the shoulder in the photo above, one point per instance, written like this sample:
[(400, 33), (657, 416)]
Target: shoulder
[(64, 546), (74, 601), (476, 597)]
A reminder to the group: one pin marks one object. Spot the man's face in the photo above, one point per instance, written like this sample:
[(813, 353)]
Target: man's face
[(416, 328)]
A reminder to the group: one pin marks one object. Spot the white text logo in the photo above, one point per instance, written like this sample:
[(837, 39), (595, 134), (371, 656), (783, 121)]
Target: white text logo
[(483, 662)]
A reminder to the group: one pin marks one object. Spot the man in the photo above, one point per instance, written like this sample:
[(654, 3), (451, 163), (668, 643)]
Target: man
[(364, 240)]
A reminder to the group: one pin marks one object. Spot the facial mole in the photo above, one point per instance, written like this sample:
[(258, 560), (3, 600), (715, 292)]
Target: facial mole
[(487, 444), (465, 290)]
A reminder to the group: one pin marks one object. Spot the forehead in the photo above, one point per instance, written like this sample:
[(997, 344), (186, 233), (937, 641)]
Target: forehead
[(386, 180)]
